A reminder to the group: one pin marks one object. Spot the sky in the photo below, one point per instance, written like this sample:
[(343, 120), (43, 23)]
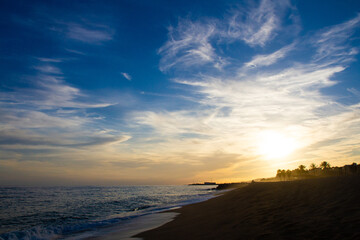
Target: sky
[(173, 92)]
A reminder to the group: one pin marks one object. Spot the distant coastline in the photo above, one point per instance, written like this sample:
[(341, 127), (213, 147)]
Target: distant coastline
[(201, 184), (324, 169)]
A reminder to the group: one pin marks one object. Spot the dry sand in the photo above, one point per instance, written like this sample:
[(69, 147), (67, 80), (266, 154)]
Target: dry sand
[(327, 208)]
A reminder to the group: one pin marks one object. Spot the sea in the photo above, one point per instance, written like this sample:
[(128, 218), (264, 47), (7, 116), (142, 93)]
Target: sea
[(81, 212)]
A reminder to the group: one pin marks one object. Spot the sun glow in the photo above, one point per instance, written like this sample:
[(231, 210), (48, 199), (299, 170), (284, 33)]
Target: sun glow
[(274, 145)]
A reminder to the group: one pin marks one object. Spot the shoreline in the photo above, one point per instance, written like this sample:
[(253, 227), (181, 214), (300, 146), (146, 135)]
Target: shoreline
[(130, 227), (324, 208), (127, 230)]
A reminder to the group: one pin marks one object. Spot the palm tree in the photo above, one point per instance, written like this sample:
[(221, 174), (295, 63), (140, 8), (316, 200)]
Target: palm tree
[(302, 168), (288, 174), (324, 165), (281, 174), (313, 166)]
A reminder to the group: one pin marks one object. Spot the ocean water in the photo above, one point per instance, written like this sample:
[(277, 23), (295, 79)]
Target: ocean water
[(62, 212)]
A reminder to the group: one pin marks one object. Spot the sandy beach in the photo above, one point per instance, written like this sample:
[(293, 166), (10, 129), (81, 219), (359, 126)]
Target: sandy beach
[(324, 208)]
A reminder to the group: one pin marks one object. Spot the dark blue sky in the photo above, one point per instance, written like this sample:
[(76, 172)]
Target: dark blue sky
[(135, 87)]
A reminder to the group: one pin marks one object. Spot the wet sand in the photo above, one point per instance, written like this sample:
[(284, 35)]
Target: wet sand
[(129, 229), (327, 208)]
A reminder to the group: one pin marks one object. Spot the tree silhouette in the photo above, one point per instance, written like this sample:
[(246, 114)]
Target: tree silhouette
[(313, 166), (281, 174), (302, 173), (288, 174), (302, 168), (324, 165)]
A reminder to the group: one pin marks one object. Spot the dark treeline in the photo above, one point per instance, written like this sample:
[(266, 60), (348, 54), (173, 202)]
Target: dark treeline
[(323, 170)]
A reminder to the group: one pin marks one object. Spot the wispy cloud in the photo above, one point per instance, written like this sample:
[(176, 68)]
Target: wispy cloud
[(49, 91), (354, 91), (89, 34), (256, 25), (196, 43), (84, 28), (188, 45), (25, 139), (48, 69), (332, 42), (126, 75), (267, 60), (75, 51), (34, 117), (51, 60)]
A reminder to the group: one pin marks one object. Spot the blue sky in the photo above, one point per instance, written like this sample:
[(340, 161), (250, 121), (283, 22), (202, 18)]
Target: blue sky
[(160, 92)]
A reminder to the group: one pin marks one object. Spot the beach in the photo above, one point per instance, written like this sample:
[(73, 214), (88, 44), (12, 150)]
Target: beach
[(322, 208)]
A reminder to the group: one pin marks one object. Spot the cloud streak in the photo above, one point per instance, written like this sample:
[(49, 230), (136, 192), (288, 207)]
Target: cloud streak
[(126, 75), (49, 91), (267, 60), (27, 139), (332, 42), (93, 34)]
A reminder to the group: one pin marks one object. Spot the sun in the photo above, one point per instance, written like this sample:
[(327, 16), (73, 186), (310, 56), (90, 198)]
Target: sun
[(275, 145)]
